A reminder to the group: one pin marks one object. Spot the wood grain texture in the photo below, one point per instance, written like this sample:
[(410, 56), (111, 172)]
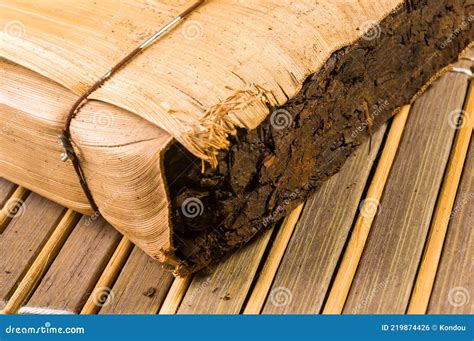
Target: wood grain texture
[(42, 262), (108, 277), (387, 269), (311, 257), (223, 289), (23, 239), (270, 267), (429, 264), (367, 211), (453, 291), (77, 267), (140, 288)]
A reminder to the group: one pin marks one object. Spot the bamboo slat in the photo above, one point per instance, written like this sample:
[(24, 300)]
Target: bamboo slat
[(102, 288), (12, 206), (175, 295), (453, 290), (23, 240), (140, 288), (277, 250), (309, 261), (439, 225), (223, 289), (42, 262), (73, 274), (387, 269), (367, 211)]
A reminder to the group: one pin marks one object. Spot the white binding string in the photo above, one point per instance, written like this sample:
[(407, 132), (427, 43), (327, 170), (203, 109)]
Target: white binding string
[(160, 32), (463, 70), (44, 311)]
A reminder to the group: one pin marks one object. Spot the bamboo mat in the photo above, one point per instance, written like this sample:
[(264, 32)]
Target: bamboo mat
[(391, 233)]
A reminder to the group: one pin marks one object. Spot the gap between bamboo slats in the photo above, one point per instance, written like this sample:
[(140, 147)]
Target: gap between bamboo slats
[(12, 206), (42, 262), (345, 274), (432, 254), (266, 276), (103, 287)]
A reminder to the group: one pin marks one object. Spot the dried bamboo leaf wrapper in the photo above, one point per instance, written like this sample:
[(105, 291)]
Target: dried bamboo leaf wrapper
[(33, 110), (121, 153), (125, 165), (271, 44)]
